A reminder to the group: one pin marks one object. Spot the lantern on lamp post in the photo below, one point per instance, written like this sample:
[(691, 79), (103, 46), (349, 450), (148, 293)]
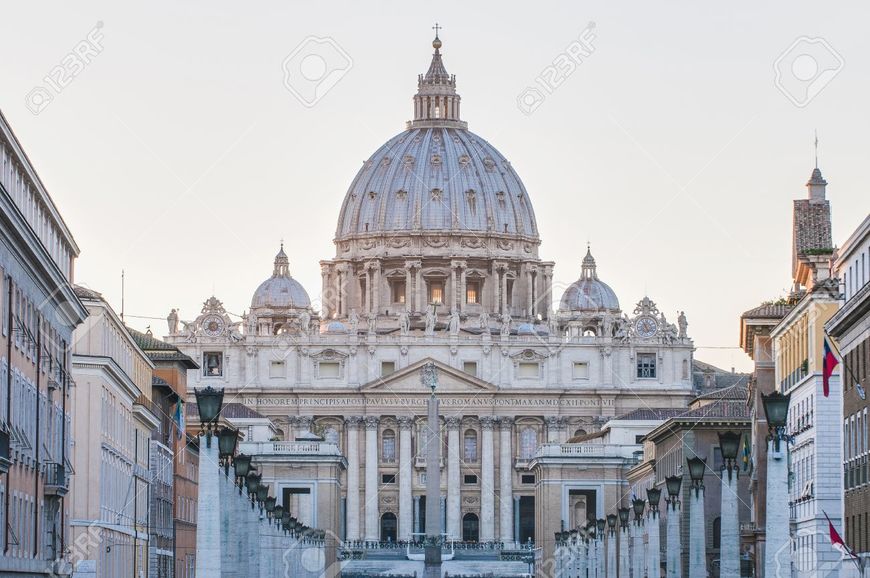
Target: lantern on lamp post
[(697, 468), (241, 467), (209, 402), (674, 554), (228, 439)]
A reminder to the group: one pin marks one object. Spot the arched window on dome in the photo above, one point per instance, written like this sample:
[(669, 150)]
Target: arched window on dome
[(388, 446), (528, 443), (470, 446)]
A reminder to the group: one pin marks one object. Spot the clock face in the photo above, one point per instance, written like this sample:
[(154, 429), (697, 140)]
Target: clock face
[(213, 325), (646, 326)]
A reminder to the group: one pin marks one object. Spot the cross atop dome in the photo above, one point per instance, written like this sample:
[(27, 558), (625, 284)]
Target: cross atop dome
[(436, 102)]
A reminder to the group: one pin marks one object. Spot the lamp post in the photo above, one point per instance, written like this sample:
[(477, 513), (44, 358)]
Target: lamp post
[(777, 510), (209, 402), (600, 527), (697, 543), (729, 548), (653, 552), (228, 439), (591, 559), (637, 559), (241, 467), (674, 563), (624, 559), (611, 546), (432, 550)]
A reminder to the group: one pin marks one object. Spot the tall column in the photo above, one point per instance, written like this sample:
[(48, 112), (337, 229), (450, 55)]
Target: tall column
[(611, 553), (504, 290), (487, 481), (372, 533), (592, 558), (337, 297), (697, 547), (505, 467), (624, 554), (653, 552), (674, 562), (208, 511), (454, 529), (729, 547), (420, 302), (406, 514), (462, 285), (409, 300), (637, 558), (451, 304), (777, 553), (352, 454), (376, 288), (582, 564), (327, 299)]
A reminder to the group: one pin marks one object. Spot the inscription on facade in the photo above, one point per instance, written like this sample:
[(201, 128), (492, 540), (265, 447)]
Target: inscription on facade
[(421, 402)]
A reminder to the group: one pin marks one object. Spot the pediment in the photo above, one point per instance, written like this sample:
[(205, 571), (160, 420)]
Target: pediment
[(450, 380)]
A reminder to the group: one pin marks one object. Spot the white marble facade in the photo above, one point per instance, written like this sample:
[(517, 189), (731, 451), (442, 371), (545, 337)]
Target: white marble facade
[(437, 259)]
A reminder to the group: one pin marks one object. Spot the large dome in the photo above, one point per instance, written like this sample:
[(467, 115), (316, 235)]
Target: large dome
[(281, 291), (589, 293), (437, 178)]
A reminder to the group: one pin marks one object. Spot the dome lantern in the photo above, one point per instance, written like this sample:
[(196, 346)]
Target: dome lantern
[(436, 102)]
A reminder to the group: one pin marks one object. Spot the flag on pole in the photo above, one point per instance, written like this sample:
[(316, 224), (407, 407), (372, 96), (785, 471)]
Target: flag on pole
[(179, 418), (829, 362), (836, 540), (746, 453)]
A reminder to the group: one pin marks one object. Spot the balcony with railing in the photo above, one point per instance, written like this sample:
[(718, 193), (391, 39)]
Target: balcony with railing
[(56, 480)]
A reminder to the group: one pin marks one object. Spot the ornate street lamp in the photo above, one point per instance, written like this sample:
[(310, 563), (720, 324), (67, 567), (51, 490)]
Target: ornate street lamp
[(269, 505), (776, 411), (209, 402), (638, 505), (228, 439), (611, 523), (278, 513), (697, 468), (624, 513), (674, 484), (653, 496), (262, 494), (729, 445), (600, 525), (241, 467), (252, 481)]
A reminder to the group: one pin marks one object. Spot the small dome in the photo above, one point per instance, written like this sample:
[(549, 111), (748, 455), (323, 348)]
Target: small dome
[(281, 291), (589, 292)]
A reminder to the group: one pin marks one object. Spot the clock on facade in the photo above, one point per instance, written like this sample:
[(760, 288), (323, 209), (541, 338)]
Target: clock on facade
[(213, 325), (646, 326)]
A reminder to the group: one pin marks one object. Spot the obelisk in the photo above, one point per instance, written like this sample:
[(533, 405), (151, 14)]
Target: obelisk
[(432, 564)]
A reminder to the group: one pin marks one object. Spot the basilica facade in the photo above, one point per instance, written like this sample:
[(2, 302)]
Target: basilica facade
[(437, 259)]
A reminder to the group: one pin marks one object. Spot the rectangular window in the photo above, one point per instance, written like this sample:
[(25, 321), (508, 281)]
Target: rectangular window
[(276, 369), (646, 365), (397, 289), (528, 370), (581, 370), (436, 292), (387, 367), (469, 479), (470, 367), (639, 440), (388, 479), (212, 364), (527, 479), (328, 370), (472, 292)]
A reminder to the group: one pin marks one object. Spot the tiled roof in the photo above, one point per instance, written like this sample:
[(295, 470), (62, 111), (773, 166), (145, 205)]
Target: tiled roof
[(768, 311), (723, 409), (651, 414), (230, 411), (85, 293), (586, 437), (160, 350), (738, 391)]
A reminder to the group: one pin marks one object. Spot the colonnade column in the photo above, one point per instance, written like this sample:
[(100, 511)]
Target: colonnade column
[(674, 563), (505, 466), (352, 455), (409, 300), (406, 514), (376, 287), (487, 481), (462, 285), (624, 554), (453, 503), (729, 552), (697, 529), (372, 533), (420, 299)]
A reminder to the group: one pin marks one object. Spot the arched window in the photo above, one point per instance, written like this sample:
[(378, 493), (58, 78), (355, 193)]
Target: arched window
[(388, 446), (470, 445), (528, 443), (580, 432)]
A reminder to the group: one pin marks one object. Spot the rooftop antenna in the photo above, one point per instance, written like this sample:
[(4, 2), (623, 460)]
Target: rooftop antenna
[(122, 295)]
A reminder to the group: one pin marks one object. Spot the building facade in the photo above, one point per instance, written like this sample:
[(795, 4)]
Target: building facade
[(850, 328), (38, 312), (436, 259), (112, 430), (816, 488), (173, 524)]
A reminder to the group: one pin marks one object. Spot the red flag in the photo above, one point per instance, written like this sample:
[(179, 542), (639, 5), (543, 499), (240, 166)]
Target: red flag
[(829, 362), (836, 540)]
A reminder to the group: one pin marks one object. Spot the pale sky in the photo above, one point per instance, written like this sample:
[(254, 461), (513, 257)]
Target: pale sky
[(178, 154)]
